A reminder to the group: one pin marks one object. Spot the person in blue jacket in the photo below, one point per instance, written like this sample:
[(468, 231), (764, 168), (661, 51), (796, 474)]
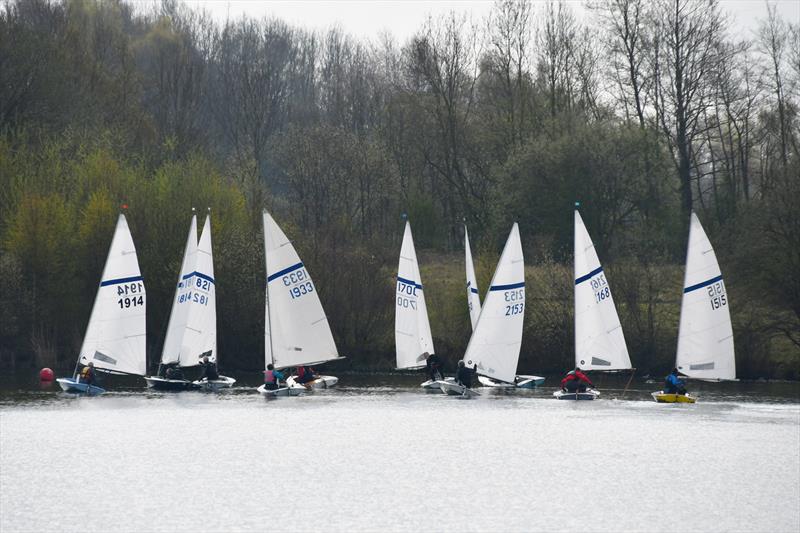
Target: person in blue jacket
[(673, 384)]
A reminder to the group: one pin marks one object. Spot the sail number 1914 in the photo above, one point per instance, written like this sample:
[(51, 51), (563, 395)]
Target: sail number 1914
[(132, 295)]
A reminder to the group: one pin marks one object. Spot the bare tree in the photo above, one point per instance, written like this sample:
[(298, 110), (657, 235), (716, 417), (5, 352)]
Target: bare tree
[(684, 54)]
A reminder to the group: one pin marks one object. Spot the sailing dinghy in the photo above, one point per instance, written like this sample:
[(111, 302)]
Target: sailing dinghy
[(705, 334), (497, 338), (296, 331), (412, 330), (599, 341), (115, 340), (474, 303), (192, 328)]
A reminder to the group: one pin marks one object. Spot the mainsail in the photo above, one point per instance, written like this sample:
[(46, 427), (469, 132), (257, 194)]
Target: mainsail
[(177, 348), (599, 341), (705, 336), (412, 331), (115, 338), (296, 329), (200, 336), (473, 298), (496, 341)]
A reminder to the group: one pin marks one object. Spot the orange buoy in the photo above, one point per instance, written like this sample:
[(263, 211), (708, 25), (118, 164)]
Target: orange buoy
[(46, 374)]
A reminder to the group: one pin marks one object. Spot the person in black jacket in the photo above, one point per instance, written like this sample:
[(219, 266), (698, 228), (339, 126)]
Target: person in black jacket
[(209, 370), (435, 366), (464, 374)]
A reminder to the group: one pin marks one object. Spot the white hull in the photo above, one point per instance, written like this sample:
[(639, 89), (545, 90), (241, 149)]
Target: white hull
[(520, 382), (224, 382), (319, 382), (454, 389), (295, 390), (433, 385), (156, 382), (588, 394)]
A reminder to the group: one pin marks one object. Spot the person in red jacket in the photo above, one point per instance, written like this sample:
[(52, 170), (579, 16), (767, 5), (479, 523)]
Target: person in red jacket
[(576, 381)]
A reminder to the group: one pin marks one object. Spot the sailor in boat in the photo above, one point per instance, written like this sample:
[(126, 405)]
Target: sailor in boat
[(87, 374), (305, 374), (209, 370), (673, 384), (465, 374), (435, 366), (273, 378), (173, 372), (576, 381)]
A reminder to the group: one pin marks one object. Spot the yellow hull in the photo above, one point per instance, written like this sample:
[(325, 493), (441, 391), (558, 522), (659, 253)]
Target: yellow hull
[(662, 397)]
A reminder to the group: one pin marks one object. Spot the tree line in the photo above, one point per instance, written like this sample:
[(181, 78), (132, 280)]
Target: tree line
[(641, 110)]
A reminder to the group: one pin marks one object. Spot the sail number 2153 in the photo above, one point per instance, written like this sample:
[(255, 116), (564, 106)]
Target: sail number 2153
[(516, 300)]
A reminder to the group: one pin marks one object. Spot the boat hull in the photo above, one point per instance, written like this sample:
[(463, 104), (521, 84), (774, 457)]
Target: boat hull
[(319, 382), (432, 385), (663, 397), (174, 385), (589, 394), (224, 382), (521, 382), (73, 386), (295, 390), (452, 388)]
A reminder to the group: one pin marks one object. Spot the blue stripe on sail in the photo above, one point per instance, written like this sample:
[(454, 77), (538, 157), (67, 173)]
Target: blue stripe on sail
[(409, 282), (704, 284), (285, 271), (473, 290), (120, 281), (588, 276), (507, 287), (199, 275)]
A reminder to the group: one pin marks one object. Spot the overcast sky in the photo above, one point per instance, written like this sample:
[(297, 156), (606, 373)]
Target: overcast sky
[(368, 18)]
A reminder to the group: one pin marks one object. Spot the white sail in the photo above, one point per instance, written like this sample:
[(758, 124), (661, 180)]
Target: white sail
[(116, 335), (175, 349), (296, 330), (495, 344), (599, 341), (412, 331), (473, 298), (200, 333), (705, 337)]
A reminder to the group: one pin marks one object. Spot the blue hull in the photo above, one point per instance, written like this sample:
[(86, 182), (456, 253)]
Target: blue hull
[(73, 386)]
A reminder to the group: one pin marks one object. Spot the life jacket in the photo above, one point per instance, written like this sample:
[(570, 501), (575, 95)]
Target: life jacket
[(86, 373), (269, 376)]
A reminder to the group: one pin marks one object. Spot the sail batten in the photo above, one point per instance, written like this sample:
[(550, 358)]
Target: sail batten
[(599, 339), (412, 328)]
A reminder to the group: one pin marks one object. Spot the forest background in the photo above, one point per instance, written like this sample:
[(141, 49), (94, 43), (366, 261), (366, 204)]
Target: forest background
[(643, 111)]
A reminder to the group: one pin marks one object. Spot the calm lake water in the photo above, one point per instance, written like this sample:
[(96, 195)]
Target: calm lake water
[(377, 454)]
